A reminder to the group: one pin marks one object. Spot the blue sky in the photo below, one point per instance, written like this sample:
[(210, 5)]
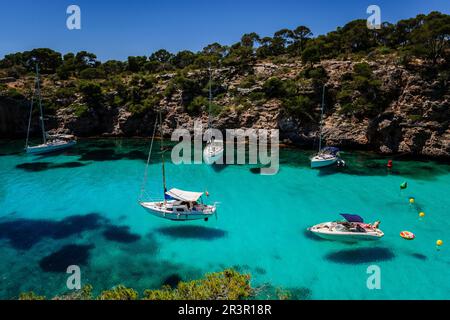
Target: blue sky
[(116, 29)]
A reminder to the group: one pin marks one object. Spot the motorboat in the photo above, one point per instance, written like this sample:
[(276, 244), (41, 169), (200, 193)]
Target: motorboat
[(351, 230)]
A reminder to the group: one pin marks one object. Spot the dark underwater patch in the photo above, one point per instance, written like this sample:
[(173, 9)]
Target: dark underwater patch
[(43, 166), (25, 233), (419, 256), (99, 155), (172, 280), (77, 224), (362, 255), (120, 234), (260, 270), (192, 232), (68, 255)]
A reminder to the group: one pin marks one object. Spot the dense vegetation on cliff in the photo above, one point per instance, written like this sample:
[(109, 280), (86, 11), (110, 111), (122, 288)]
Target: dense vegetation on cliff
[(285, 72)]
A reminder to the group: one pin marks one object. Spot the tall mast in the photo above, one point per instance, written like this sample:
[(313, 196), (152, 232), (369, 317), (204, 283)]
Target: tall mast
[(321, 118), (210, 96), (38, 92), (162, 154), (31, 114)]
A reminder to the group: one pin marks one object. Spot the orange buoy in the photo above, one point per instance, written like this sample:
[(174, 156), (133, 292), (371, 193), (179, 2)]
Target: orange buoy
[(407, 235)]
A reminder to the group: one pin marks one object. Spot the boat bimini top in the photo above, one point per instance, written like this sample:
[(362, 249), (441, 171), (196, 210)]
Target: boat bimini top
[(181, 195)]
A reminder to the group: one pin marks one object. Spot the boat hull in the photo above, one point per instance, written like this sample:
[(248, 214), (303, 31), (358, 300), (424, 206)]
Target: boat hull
[(320, 163), (345, 237), (47, 148), (323, 231), (154, 208), (212, 154)]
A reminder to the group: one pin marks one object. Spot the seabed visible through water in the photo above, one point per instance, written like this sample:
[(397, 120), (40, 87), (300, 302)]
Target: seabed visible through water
[(80, 207)]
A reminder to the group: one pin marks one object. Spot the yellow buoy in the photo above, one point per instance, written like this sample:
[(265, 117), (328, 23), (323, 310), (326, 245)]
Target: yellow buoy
[(439, 243), (422, 214), (411, 200)]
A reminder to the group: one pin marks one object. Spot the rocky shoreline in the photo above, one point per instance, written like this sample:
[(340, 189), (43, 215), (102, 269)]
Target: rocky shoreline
[(415, 122)]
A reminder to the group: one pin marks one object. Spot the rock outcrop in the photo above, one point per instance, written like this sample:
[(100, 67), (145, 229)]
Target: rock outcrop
[(416, 121)]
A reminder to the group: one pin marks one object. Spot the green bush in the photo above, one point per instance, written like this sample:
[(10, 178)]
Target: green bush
[(226, 285), (119, 293), (299, 106), (30, 296), (196, 106), (92, 73), (79, 110)]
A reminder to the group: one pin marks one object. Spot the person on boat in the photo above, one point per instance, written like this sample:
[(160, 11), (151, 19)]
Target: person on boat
[(376, 224)]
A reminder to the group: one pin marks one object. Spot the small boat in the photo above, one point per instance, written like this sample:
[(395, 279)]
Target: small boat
[(213, 151), (50, 146), (180, 205), (214, 148), (327, 156), (353, 229), (49, 143)]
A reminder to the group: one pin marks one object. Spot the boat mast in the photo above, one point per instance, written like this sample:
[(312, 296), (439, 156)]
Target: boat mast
[(31, 113), (162, 154), (321, 118), (210, 97), (38, 92)]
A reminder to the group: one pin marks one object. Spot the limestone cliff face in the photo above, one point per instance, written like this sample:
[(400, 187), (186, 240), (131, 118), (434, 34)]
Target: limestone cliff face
[(416, 120)]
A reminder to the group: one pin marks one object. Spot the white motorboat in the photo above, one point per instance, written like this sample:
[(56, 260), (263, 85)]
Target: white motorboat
[(49, 143), (213, 151), (327, 156), (180, 205), (351, 230)]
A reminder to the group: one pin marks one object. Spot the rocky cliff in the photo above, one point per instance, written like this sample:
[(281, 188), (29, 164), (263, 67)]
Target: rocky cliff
[(414, 119)]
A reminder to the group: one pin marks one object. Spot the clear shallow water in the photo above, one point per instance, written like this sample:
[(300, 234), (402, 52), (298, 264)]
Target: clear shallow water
[(80, 207)]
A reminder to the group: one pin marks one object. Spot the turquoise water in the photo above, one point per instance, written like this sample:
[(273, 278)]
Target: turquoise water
[(80, 207)]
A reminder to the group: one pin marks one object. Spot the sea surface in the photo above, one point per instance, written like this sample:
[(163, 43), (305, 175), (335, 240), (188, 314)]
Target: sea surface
[(80, 207)]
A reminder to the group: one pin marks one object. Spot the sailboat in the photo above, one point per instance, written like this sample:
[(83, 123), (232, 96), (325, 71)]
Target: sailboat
[(214, 148), (49, 143), (329, 155), (177, 204)]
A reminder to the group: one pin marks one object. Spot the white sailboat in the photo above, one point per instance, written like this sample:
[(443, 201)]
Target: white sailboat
[(214, 148), (353, 229), (329, 155), (176, 205), (49, 143)]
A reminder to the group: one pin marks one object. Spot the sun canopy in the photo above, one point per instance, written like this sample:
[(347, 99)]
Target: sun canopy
[(352, 217), (181, 195), (331, 150)]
